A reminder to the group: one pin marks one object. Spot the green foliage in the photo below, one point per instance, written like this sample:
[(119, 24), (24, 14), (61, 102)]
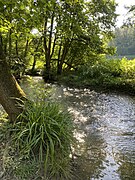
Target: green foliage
[(26, 169), (110, 68), (105, 74), (124, 40), (128, 68), (53, 31), (45, 131), (4, 24)]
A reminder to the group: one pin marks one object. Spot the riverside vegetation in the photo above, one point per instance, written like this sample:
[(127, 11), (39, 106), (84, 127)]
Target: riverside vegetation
[(104, 74), (38, 146)]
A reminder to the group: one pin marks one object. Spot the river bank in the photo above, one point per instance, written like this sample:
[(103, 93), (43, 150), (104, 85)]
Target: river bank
[(105, 138), (103, 75), (122, 85)]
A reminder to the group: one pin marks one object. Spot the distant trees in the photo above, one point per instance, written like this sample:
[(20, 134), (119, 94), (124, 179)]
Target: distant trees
[(125, 35), (124, 40)]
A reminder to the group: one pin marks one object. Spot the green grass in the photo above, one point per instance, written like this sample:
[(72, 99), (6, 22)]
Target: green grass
[(41, 141)]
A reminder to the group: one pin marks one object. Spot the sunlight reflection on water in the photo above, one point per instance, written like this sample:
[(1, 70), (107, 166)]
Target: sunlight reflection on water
[(105, 132)]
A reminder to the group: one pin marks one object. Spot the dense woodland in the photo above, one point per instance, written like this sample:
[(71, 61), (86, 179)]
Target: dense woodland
[(65, 41)]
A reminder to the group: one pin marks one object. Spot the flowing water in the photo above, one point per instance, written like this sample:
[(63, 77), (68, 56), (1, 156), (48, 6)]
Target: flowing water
[(105, 131)]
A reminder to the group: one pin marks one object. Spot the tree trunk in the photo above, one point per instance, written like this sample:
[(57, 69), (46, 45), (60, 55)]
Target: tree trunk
[(59, 55), (10, 90), (47, 47), (10, 45), (16, 48), (63, 56), (24, 56), (33, 65), (47, 65), (35, 51)]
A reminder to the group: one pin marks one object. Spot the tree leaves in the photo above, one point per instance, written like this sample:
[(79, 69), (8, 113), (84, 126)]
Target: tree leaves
[(79, 22)]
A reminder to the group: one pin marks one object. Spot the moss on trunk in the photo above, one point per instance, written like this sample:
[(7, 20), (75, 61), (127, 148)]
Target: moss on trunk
[(10, 90)]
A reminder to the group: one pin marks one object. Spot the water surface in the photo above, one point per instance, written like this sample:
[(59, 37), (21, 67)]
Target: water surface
[(105, 133)]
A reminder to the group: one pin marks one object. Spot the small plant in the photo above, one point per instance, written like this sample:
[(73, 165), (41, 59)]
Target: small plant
[(44, 132)]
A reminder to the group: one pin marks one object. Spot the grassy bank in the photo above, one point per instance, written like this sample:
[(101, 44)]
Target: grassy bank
[(38, 146), (104, 74)]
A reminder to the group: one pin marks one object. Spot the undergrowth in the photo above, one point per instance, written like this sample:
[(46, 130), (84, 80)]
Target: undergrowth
[(105, 74)]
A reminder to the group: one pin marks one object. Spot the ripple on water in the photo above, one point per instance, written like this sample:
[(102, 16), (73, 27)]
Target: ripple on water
[(109, 127), (105, 133)]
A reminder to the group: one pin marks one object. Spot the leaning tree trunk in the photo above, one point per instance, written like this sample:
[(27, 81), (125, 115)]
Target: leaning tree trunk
[(10, 90)]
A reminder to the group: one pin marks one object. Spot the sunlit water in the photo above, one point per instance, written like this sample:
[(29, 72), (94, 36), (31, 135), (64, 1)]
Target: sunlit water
[(105, 131)]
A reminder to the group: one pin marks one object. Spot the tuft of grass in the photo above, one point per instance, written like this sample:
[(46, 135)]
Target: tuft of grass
[(45, 132)]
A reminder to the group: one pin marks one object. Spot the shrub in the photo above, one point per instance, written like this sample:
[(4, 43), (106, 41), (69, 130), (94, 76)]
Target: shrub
[(108, 74), (104, 68)]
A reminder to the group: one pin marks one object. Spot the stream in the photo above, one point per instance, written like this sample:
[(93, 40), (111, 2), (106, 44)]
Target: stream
[(105, 130)]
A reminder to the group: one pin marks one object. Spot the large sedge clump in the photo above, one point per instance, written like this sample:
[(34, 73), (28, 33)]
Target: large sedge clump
[(45, 131)]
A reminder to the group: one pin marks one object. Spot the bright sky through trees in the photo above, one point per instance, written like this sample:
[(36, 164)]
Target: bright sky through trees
[(122, 11)]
